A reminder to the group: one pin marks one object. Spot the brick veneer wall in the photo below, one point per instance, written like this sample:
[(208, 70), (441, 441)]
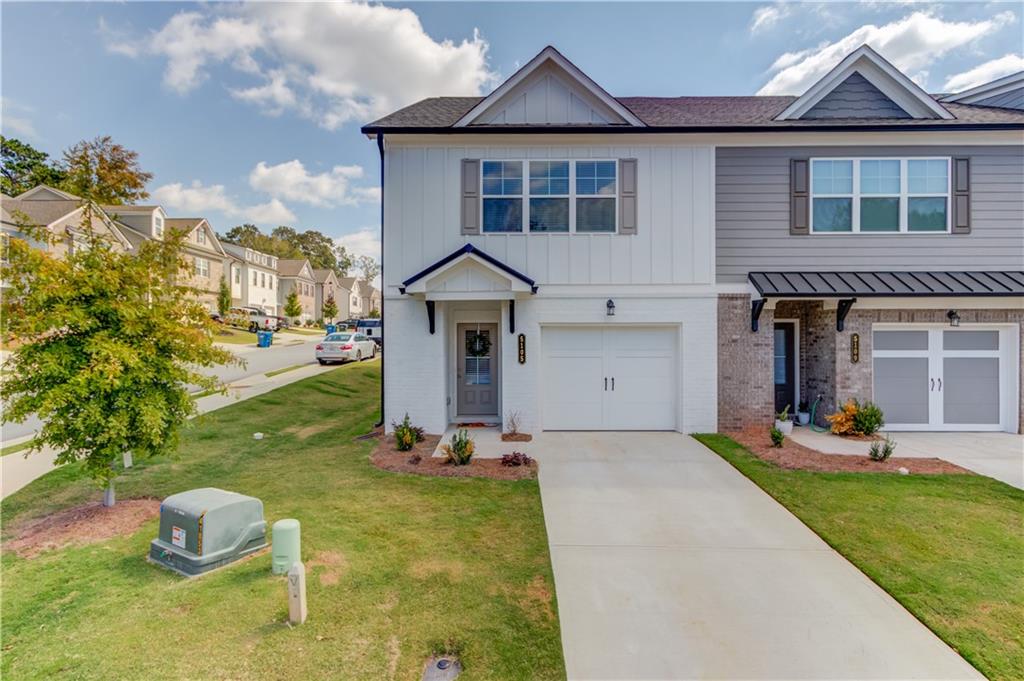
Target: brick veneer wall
[(745, 383)]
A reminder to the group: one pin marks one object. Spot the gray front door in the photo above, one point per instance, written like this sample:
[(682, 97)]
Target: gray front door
[(478, 369)]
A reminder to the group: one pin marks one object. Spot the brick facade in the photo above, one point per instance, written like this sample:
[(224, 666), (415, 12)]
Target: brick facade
[(826, 369)]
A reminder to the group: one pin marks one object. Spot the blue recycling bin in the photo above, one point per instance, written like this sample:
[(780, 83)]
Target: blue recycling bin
[(264, 339), (330, 328)]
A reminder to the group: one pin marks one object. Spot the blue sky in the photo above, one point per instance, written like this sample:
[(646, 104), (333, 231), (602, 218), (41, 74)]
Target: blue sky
[(251, 112)]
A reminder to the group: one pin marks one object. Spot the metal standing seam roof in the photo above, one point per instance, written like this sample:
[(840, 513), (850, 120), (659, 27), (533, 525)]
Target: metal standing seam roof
[(881, 284)]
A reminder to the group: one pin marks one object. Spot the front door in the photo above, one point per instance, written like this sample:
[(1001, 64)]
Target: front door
[(478, 369), (785, 366)]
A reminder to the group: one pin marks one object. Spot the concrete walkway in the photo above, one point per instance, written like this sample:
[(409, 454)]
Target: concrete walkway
[(669, 564), (17, 470), (997, 455)]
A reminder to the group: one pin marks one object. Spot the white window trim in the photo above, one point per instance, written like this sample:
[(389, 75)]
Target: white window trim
[(525, 196), (904, 195), (201, 266)]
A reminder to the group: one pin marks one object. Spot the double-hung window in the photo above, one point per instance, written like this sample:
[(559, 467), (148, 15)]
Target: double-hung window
[(558, 196), (879, 195), (202, 266), (503, 196)]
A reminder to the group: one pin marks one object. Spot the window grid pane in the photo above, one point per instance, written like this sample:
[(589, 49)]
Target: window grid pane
[(595, 178), (927, 176), (503, 178), (595, 215), (833, 215), (549, 178), (833, 177), (880, 177), (880, 214), (549, 214), (926, 214)]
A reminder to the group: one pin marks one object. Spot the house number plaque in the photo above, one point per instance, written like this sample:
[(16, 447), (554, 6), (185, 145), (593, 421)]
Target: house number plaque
[(522, 348), (854, 348)]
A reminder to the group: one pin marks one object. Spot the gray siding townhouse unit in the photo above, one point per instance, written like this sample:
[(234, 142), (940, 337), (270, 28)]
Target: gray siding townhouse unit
[(591, 262)]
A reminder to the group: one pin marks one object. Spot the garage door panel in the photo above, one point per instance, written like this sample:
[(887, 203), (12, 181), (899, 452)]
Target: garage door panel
[(901, 389), (573, 394), (970, 390)]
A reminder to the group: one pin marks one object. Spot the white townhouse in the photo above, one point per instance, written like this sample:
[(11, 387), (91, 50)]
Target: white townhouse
[(253, 278), (695, 263)]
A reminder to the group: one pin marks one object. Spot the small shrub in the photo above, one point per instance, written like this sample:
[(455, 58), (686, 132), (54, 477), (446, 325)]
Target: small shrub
[(406, 434), (868, 419), (776, 436), (512, 422), (882, 449), (460, 450), (415, 459), (516, 459), (857, 419), (783, 415), (803, 407)]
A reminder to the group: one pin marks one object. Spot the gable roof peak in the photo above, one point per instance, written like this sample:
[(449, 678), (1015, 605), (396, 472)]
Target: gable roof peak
[(873, 67)]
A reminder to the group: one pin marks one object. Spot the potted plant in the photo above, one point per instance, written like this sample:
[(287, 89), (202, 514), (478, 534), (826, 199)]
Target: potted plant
[(782, 421), (803, 413)]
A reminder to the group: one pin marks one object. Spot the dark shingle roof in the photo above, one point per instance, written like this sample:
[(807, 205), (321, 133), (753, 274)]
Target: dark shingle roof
[(876, 284), (438, 113)]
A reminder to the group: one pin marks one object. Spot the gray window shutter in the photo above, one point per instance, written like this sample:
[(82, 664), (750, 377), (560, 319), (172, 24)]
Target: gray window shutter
[(470, 218), (627, 196), (961, 196), (799, 196)]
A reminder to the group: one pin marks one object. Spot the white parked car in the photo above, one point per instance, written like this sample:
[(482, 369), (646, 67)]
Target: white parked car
[(343, 347)]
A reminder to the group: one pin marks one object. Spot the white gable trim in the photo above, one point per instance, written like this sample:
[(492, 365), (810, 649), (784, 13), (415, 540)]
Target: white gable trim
[(211, 236), (548, 54), (29, 194), (460, 279), (985, 90), (880, 73)]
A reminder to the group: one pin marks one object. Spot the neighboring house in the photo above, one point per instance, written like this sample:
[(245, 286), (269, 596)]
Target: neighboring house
[(143, 222), (357, 296), (297, 275), (695, 263), (326, 287), (374, 301), (203, 251), (62, 214), (253, 277)]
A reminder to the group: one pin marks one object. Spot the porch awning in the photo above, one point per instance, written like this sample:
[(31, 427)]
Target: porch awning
[(886, 284), (469, 272)]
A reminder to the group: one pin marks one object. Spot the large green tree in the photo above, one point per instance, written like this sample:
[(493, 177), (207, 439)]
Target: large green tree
[(104, 171), (288, 242), (23, 167), (108, 346), (223, 297), (368, 266)]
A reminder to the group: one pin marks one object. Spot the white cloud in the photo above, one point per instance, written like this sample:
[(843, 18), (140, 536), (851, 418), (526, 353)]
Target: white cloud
[(768, 16), (291, 181), (364, 242), (14, 119), (198, 199), (985, 73), (912, 44), (328, 62)]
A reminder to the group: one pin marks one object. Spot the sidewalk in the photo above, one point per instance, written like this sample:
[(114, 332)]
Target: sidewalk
[(16, 470)]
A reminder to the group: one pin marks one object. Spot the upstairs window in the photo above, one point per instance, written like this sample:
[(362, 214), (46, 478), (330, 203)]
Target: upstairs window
[(879, 195), (238, 275), (200, 236), (202, 266), (158, 226), (557, 196)]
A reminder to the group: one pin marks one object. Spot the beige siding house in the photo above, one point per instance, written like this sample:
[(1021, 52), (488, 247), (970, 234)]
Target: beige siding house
[(297, 275), (204, 256), (327, 287), (61, 213), (357, 304)]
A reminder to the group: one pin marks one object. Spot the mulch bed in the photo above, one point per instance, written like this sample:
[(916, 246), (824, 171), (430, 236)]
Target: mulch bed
[(83, 524), (796, 456), (516, 437), (386, 457)]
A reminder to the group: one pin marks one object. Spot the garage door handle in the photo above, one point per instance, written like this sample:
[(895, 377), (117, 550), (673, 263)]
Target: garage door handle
[(613, 383), (933, 384), (606, 383), (940, 385)]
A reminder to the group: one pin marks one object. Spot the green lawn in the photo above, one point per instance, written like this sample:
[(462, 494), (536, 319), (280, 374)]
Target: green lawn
[(227, 334), (950, 548), (275, 372), (420, 563), (302, 331), (20, 447)]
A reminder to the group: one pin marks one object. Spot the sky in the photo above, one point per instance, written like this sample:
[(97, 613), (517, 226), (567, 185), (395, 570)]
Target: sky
[(251, 112)]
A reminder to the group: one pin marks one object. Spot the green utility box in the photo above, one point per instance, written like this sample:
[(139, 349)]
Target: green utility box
[(203, 529)]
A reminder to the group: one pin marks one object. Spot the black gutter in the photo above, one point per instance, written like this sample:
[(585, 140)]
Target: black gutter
[(383, 286), (676, 129)]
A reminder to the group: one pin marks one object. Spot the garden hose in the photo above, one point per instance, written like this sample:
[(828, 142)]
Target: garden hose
[(814, 426)]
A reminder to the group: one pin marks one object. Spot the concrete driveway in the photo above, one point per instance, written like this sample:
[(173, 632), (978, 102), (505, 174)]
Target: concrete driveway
[(997, 455), (669, 564)]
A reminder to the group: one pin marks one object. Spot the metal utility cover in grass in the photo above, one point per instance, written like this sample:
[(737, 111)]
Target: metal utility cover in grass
[(204, 529)]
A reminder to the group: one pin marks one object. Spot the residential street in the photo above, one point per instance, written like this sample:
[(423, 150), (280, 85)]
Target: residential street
[(16, 471)]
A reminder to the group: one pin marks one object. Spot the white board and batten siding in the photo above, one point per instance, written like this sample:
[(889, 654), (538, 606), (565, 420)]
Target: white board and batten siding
[(674, 244)]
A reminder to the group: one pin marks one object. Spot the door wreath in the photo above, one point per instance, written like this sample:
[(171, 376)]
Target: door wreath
[(478, 345)]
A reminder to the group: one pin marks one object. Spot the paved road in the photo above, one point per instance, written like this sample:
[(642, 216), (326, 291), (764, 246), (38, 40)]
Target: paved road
[(288, 350), (670, 564)]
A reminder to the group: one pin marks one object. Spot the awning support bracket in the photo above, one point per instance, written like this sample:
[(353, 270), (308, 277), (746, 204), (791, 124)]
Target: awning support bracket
[(842, 310), (430, 316), (511, 316), (755, 313)]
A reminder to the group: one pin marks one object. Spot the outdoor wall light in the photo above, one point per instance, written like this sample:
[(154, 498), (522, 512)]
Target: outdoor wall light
[(954, 318), (610, 306)]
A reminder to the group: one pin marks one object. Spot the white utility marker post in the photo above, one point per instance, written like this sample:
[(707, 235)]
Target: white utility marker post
[(297, 593)]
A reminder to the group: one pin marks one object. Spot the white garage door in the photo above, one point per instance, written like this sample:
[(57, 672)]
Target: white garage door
[(599, 378)]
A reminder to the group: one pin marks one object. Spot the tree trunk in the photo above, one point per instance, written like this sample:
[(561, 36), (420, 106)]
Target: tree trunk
[(108, 495)]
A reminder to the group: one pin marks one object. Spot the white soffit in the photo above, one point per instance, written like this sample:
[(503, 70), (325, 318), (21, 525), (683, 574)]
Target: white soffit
[(880, 73)]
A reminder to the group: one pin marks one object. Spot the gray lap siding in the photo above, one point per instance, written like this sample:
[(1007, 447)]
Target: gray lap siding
[(752, 216)]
